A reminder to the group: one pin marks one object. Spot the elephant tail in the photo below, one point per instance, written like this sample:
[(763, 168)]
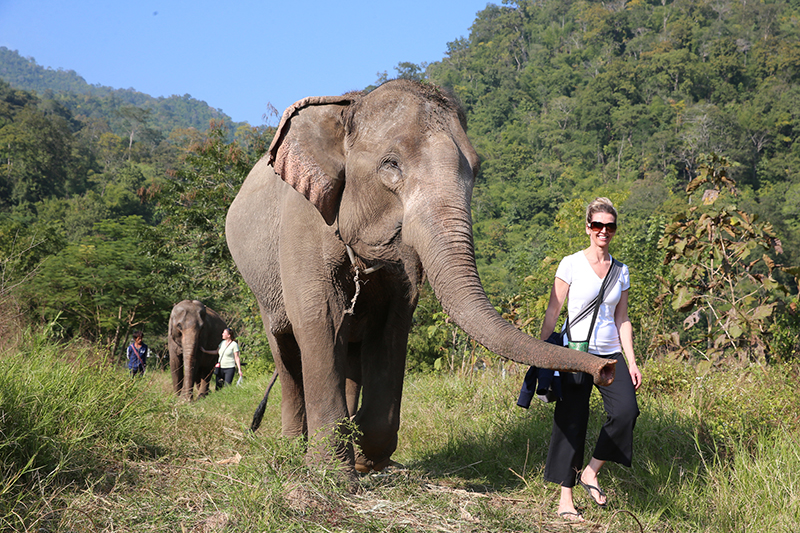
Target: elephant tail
[(259, 414)]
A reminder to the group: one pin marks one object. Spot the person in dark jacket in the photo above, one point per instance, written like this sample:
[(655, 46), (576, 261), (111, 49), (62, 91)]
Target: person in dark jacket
[(137, 354)]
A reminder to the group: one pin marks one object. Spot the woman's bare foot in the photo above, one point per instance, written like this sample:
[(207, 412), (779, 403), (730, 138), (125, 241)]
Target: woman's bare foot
[(566, 507), (588, 480), (572, 516)]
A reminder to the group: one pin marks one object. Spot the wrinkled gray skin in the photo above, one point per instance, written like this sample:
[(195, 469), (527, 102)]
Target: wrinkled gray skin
[(192, 325), (391, 174)]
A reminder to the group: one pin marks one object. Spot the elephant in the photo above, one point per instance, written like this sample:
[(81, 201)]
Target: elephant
[(359, 198), (192, 326)]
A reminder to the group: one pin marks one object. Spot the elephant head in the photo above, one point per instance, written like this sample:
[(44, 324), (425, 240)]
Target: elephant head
[(394, 170), (192, 326)]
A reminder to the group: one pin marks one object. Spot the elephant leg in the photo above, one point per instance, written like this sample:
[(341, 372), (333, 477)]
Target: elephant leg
[(323, 349), (353, 382), (286, 354), (383, 362), (176, 369)]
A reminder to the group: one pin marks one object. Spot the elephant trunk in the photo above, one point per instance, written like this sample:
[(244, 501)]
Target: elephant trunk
[(447, 254), (189, 363)]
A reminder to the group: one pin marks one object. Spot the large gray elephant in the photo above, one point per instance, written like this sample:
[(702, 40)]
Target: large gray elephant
[(359, 197), (192, 326)]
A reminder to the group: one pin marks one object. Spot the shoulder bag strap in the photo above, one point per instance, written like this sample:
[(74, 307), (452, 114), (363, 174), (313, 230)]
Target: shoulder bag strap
[(136, 352), (223, 351), (610, 278)]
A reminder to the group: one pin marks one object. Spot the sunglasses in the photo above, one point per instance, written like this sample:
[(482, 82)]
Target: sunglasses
[(598, 226)]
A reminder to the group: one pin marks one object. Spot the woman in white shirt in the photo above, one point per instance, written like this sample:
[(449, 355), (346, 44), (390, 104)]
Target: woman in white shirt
[(228, 361), (578, 280)]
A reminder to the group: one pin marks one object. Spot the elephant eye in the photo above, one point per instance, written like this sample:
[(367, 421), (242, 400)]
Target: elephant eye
[(390, 171), (389, 163)]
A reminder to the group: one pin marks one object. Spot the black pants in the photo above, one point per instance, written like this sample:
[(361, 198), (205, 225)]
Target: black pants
[(571, 418), (225, 376)]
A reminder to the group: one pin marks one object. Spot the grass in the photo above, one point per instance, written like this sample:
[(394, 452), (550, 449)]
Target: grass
[(85, 448)]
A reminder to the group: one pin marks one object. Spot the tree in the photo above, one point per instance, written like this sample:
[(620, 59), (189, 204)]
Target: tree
[(135, 119), (104, 285), (193, 204), (23, 247), (723, 272), (38, 155), (411, 71)]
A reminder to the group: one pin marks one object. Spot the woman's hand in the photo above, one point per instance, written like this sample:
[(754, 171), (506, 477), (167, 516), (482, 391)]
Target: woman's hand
[(636, 375)]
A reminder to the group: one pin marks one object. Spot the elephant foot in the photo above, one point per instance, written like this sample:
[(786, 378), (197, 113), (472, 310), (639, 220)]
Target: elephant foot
[(342, 475), (382, 464), (365, 466)]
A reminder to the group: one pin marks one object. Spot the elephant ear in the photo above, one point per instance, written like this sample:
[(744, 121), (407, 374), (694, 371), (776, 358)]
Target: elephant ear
[(308, 150)]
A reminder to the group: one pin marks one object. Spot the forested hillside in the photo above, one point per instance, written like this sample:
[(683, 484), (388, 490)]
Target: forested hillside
[(565, 100), (103, 230), (569, 99), (98, 102)]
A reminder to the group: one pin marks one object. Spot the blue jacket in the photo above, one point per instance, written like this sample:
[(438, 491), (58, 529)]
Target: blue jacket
[(541, 381), (137, 360)]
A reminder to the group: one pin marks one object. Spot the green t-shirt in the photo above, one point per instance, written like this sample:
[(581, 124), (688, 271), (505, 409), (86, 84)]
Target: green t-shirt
[(226, 359)]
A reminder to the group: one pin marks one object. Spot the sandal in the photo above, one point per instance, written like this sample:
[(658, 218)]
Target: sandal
[(565, 515), (589, 489)]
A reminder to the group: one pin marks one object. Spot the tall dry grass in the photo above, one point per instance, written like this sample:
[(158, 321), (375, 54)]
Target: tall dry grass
[(85, 448)]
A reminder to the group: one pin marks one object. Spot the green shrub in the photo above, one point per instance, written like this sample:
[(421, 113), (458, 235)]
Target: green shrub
[(668, 376), (785, 333), (732, 406)]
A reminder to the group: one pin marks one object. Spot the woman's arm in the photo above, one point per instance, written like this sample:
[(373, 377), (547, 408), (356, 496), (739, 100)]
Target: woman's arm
[(558, 294), (625, 330), (238, 361)]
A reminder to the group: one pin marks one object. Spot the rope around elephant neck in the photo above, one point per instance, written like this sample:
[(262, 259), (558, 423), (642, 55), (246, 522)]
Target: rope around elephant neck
[(357, 278)]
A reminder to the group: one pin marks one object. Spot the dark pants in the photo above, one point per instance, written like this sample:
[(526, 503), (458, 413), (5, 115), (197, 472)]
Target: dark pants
[(225, 376), (571, 418), (136, 370)]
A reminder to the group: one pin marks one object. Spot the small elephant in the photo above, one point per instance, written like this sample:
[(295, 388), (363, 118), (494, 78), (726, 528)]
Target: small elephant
[(359, 197), (193, 326)]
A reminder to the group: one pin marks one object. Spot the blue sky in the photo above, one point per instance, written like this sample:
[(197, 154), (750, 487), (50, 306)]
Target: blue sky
[(235, 55)]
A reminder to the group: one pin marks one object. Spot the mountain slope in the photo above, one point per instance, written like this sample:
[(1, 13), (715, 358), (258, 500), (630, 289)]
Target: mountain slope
[(100, 102)]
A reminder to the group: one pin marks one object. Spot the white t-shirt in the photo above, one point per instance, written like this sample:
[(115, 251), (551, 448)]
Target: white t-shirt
[(584, 286), (226, 358)]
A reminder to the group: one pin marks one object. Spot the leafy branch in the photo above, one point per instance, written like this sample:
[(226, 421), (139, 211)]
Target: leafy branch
[(722, 271)]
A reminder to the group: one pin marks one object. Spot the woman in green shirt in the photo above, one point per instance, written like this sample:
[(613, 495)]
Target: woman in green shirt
[(229, 360)]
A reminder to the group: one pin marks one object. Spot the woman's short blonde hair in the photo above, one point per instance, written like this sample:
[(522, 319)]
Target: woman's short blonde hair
[(600, 205)]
